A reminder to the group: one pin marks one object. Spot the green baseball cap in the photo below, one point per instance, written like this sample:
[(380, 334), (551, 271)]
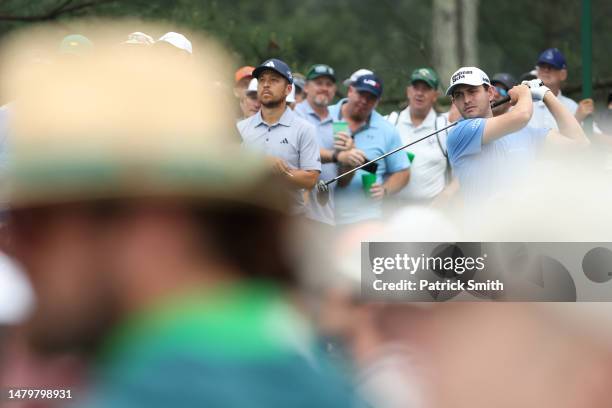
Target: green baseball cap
[(319, 70), (426, 75)]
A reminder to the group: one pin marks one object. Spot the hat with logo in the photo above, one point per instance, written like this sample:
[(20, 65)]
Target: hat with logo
[(554, 57), (320, 70), (505, 79), (276, 65), (468, 76), (355, 75), (369, 83), (426, 75)]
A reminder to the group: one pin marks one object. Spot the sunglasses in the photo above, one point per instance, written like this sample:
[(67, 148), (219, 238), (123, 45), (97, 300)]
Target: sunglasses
[(501, 91)]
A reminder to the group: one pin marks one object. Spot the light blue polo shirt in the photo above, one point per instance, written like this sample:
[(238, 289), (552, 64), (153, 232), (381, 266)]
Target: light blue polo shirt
[(292, 139), (375, 138), (484, 170), (325, 138)]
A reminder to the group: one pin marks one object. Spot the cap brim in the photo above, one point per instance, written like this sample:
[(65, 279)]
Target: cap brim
[(315, 76), (259, 70), (421, 79), (368, 90), (450, 88)]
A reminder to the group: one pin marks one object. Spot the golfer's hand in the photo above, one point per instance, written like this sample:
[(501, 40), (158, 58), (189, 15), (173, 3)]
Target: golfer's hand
[(343, 141), (537, 89), (517, 92), (351, 158), (377, 191), (586, 107), (279, 166)]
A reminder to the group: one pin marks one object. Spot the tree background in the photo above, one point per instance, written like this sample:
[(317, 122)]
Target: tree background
[(392, 37)]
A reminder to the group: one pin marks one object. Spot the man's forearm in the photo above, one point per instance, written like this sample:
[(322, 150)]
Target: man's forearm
[(326, 155), (397, 181), (303, 178), (566, 122)]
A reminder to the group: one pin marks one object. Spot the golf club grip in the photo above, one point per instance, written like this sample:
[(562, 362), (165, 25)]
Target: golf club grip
[(505, 99)]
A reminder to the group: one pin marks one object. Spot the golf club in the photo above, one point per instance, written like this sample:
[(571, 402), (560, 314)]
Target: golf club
[(323, 186)]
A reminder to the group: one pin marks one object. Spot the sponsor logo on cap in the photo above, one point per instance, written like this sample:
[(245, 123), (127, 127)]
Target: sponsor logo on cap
[(269, 64), (371, 82)]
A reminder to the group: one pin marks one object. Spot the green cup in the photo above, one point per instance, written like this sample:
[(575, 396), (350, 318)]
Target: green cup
[(367, 180), (339, 127), (410, 156)]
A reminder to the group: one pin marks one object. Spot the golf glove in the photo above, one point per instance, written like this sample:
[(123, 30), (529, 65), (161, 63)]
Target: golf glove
[(537, 88)]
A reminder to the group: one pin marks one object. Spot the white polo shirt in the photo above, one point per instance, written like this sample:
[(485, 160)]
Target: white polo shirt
[(428, 169)]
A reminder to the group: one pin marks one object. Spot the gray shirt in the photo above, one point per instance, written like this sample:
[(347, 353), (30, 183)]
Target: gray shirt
[(291, 139), (325, 139)]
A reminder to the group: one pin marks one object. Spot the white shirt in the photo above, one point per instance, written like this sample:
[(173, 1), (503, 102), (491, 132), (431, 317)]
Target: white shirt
[(428, 169), (543, 119)]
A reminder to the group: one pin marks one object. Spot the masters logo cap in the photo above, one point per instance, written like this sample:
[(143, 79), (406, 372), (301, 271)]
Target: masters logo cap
[(320, 70), (468, 76), (426, 75)]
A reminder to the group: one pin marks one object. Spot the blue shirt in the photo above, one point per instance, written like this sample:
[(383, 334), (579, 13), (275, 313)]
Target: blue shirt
[(484, 170), (291, 139), (325, 139), (375, 138)]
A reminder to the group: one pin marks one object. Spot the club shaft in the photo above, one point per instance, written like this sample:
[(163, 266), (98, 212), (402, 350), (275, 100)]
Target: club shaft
[(493, 105)]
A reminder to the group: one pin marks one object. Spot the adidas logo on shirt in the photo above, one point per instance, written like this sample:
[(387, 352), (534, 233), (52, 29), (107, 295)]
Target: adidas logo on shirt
[(284, 141)]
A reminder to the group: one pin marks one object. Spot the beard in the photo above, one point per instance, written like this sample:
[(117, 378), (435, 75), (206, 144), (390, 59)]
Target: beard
[(273, 103), (320, 101)]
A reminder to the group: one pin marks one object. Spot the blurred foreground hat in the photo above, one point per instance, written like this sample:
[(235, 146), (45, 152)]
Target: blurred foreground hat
[(76, 44), (178, 40), (105, 128), (138, 38)]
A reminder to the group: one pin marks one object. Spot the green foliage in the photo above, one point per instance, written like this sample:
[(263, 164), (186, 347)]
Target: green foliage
[(391, 37)]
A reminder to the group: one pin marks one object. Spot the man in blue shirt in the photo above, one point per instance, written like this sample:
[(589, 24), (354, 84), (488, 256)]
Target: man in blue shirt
[(373, 136), (487, 152)]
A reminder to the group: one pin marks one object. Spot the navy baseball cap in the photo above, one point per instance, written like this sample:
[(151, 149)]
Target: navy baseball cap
[(554, 57), (275, 65), (369, 83), (505, 79)]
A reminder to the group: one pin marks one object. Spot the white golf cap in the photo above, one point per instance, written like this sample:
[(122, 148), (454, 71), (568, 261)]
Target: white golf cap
[(468, 76), (252, 86), (291, 97), (178, 40), (138, 38), (360, 72)]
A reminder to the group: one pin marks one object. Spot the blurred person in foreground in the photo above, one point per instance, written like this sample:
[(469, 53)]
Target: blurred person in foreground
[(489, 154), (163, 263)]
